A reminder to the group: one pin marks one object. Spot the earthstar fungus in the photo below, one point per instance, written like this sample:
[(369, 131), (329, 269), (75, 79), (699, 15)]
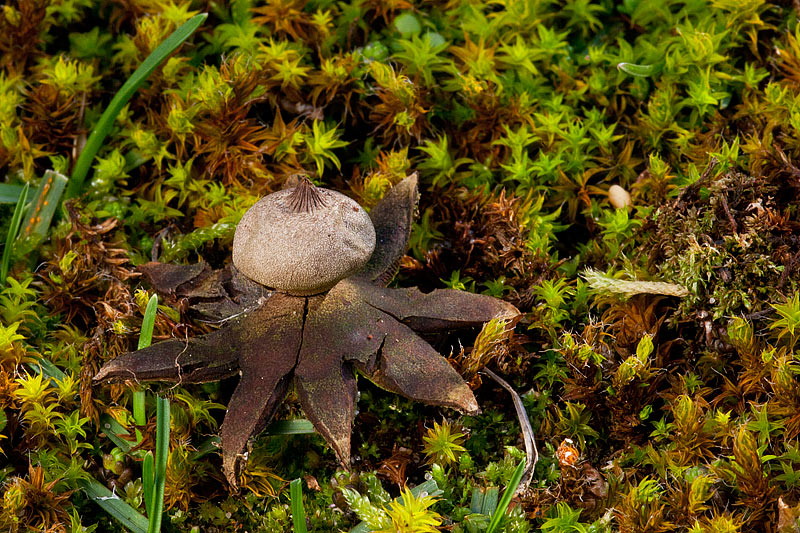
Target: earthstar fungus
[(312, 330)]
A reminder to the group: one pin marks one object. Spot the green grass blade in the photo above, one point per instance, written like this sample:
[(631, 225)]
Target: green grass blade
[(146, 335), (138, 408), (489, 504), (139, 415), (113, 505), (160, 464), (13, 231), (641, 71), (148, 481), (113, 430), (40, 213), (209, 445), (513, 483), (9, 194), (145, 338), (298, 512), (103, 127), (476, 502), (299, 426), (43, 366)]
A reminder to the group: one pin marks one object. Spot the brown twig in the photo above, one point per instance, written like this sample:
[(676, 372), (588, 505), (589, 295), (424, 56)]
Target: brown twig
[(155, 251), (789, 267), (531, 452), (694, 187), (728, 213), (758, 314)]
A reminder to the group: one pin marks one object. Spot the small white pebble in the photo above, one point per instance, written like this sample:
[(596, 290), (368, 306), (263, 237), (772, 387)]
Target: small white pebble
[(618, 196)]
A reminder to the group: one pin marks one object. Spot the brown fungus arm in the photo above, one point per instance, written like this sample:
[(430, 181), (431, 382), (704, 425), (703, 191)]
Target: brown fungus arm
[(392, 218), (253, 404), (439, 310), (269, 348), (197, 360), (329, 401), (215, 295), (343, 329), (169, 279), (409, 366)]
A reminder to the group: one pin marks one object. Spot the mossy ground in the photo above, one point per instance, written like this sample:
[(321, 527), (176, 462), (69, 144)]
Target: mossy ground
[(519, 115)]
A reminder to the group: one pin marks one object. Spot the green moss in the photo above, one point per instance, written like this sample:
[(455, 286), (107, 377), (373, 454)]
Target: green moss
[(519, 116)]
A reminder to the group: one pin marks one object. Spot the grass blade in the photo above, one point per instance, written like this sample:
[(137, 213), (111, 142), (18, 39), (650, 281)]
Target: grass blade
[(43, 207), (103, 127), (298, 512), (160, 464), (9, 194), (146, 334), (113, 505), (299, 426), (513, 483), (40, 365), (139, 416), (145, 338), (113, 431), (641, 71), (476, 502), (148, 481), (138, 408), (489, 503), (13, 231)]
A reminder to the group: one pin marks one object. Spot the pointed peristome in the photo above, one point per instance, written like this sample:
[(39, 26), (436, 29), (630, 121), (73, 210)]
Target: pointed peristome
[(393, 218), (305, 197)]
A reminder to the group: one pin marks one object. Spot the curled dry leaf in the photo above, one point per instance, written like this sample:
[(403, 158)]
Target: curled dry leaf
[(315, 342)]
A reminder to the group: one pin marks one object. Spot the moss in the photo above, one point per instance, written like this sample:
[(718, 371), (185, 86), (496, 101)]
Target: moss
[(519, 117)]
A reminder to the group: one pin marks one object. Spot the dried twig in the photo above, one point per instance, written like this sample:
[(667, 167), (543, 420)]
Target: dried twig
[(728, 214), (531, 452), (787, 269), (692, 189)]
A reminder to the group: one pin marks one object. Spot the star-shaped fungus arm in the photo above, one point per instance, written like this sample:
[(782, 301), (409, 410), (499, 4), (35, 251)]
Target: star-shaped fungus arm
[(439, 310), (393, 218), (328, 398), (267, 357), (196, 360), (409, 366), (213, 295), (346, 328), (210, 357), (262, 346)]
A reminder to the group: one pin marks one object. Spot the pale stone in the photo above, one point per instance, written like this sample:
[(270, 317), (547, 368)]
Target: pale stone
[(618, 196)]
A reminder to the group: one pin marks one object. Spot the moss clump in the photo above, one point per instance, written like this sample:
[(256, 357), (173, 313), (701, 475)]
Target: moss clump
[(729, 240)]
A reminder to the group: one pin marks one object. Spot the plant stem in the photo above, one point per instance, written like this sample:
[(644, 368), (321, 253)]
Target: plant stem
[(531, 452)]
